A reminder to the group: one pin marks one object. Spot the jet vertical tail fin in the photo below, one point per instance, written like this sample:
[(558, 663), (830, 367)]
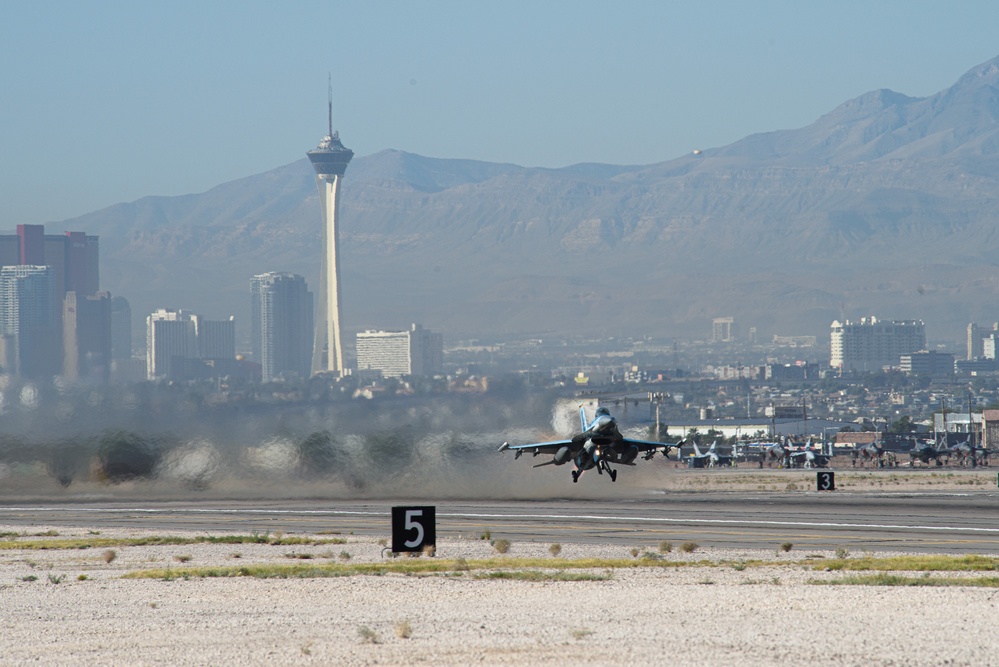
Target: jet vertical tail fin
[(582, 418)]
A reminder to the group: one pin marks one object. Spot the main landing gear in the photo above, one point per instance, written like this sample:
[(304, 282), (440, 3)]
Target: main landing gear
[(601, 467)]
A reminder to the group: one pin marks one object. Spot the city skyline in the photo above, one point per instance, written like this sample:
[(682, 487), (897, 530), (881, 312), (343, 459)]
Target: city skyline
[(666, 79)]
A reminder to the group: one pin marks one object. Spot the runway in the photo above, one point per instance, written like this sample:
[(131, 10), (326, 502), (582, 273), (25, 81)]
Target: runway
[(904, 522)]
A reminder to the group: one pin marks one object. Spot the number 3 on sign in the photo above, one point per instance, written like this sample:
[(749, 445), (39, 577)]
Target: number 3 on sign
[(413, 528), (825, 481)]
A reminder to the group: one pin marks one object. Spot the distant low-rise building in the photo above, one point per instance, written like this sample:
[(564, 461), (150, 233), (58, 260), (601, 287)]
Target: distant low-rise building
[(932, 363)]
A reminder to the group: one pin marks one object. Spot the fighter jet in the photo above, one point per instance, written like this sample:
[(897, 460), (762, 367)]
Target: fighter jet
[(778, 451), (968, 454), (598, 446), (869, 451), (927, 452), (711, 457), (808, 457)]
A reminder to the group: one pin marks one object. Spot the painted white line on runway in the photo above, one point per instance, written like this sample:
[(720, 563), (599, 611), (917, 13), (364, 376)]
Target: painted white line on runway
[(472, 515)]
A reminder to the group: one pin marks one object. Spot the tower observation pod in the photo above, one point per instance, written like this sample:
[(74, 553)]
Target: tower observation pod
[(330, 160)]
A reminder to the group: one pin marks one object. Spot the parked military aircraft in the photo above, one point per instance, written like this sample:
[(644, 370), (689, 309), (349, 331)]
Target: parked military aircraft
[(968, 454), (869, 451), (927, 452), (598, 446), (808, 457), (711, 457), (777, 451)]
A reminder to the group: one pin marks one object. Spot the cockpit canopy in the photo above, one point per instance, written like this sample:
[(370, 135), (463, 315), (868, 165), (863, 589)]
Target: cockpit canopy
[(603, 412)]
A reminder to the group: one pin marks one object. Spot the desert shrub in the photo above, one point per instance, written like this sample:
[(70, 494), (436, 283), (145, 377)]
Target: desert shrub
[(689, 547), (403, 630), (368, 636)]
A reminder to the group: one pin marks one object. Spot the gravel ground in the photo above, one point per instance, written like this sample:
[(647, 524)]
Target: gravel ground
[(717, 613)]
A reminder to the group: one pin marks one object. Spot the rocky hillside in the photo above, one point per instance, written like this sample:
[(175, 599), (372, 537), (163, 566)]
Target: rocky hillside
[(886, 205)]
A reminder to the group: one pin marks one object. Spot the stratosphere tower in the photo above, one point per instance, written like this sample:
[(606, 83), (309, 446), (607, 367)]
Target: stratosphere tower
[(330, 160)]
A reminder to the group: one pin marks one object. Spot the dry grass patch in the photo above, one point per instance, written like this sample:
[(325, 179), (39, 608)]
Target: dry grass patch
[(915, 563), (888, 579), (548, 566), (541, 575), (160, 540)]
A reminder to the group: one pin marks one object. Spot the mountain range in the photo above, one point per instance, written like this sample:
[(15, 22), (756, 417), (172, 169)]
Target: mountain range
[(885, 206)]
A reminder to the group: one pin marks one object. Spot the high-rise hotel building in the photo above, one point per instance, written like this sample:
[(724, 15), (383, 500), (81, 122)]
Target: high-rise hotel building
[(28, 323), (176, 338), (281, 325), (871, 344), (76, 343), (399, 353)]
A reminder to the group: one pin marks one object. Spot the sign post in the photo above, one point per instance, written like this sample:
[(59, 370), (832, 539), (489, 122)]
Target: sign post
[(414, 528)]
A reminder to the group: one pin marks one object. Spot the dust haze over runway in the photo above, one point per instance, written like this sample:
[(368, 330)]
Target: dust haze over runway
[(162, 442), (156, 458)]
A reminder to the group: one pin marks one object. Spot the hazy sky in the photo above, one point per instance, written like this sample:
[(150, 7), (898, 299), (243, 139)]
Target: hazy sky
[(104, 102)]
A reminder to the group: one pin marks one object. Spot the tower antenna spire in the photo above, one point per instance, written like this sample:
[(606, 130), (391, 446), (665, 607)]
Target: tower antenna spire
[(330, 83)]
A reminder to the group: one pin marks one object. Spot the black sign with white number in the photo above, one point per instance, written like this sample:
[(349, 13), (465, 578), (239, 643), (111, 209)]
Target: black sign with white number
[(414, 528), (825, 481)]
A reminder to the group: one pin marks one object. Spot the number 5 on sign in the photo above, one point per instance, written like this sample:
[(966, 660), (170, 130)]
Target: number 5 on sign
[(825, 481), (413, 528)]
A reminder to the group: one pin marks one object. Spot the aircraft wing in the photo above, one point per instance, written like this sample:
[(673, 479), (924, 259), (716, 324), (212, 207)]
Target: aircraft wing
[(649, 448), (536, 447), (648, 445)]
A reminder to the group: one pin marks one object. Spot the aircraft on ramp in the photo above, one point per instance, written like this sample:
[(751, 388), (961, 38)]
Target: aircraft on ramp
[(598, 446), (869, 452), (808, 457), (777, 451), (710, 458), (926, 452), (968, 454)]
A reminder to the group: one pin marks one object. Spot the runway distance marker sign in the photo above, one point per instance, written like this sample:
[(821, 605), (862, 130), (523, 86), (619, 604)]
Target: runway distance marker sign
[(825, 481), (414, 528)]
